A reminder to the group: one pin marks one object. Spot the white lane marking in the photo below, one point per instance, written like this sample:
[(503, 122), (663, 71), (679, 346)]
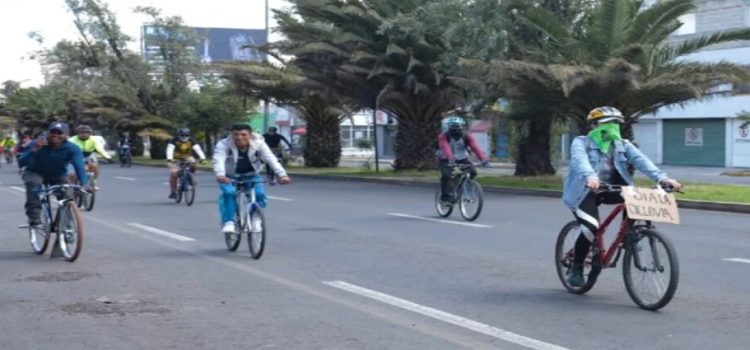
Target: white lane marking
[(166, 184), (281, 199), (125, 178), (19, 189), (157, 231), (475, 326), (439, 220), (737, 260)]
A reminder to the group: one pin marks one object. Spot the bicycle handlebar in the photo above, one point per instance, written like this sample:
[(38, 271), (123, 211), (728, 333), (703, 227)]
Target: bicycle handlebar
[(608, 188), (54, 188)]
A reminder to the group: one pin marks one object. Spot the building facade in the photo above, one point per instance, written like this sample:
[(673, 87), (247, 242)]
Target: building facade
[(705, 133)]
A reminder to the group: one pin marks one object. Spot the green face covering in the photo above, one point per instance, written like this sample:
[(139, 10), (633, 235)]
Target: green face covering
[(605, 134)]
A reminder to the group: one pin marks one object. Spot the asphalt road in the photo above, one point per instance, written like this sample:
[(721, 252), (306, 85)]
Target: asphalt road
[(341, 272)]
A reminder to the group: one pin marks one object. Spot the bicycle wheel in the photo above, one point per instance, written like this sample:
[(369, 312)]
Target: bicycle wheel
[(564, 248), (471, 200), (40, 237), (180, 189), (90, 198), (256, 239), (443, 209), (651, 270), (233, 240), (189, 189), (70, 231)]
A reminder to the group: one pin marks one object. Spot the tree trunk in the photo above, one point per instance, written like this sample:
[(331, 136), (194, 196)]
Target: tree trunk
[(415, 144), (534, 156), (323, 142)]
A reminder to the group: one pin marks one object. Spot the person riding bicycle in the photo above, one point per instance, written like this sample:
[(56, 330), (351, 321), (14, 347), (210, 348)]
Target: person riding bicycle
[(181, 148), (454, 146), (238, 156), (601, 157), (273, 139), (124, 145), (7, 145), (90, 147), (46, 162)]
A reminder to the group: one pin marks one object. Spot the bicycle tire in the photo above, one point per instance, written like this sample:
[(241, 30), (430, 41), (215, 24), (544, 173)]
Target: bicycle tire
[(67, 241), (40, 242), (90, 198), (180, 189), (189, 190), (256, 241), (233, 240), (462, 201), (674, 269), (442, 209), (564, 259)]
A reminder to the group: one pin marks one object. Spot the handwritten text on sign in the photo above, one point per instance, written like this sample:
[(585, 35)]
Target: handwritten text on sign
[(651, 204)]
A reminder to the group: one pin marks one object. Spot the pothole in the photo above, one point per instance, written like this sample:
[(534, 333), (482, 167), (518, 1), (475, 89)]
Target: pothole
[(60, 276), (106, 307)]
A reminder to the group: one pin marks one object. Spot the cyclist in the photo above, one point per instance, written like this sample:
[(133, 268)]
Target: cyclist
[(239, 156), (90, 147), (124, 145), (7, 145), (46, 162), (601, 157), (454, 146), (181, 148), (273, 139)]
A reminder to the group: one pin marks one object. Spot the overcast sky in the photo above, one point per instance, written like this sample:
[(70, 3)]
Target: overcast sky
[(52, 19)]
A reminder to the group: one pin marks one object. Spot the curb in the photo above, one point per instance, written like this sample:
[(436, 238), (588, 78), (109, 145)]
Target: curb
[(682, 203)]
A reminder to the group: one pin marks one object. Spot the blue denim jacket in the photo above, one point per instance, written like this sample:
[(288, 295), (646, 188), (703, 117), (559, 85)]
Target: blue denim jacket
[(585, 160)]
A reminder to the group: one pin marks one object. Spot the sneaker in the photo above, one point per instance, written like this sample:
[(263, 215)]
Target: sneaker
[(172, 195), (96, 188), (228, 227), (575, 276)]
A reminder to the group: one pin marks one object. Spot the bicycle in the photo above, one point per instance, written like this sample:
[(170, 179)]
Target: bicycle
[(185, 184), (467, 191), (67, 222), (249, 220), (125, 156), (629, 238), (86, 202), (281, 156)]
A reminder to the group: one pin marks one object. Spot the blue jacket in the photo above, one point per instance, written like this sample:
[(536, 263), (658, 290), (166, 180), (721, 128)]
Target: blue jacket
[(53, 162), (585, 161)]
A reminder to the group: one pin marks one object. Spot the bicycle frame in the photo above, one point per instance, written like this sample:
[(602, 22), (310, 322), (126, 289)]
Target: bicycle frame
[(608, 258)]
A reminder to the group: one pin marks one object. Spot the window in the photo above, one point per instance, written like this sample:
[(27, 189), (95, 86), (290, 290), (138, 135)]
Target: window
[(688, 24)]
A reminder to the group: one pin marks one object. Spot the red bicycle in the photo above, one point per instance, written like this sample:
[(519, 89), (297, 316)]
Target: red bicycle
[(650, 267)]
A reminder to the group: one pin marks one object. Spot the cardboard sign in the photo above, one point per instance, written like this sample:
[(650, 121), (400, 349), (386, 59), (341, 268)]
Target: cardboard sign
[(650, 204)]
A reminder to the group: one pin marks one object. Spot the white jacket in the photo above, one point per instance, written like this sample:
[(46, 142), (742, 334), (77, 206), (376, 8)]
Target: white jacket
[(226, 153)]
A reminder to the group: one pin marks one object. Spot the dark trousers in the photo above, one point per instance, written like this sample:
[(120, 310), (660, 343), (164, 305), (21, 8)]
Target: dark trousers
[(446, 172), (33, 206), (587, 216)]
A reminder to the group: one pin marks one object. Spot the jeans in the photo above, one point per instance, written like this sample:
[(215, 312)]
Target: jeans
[(34, 181), (227, 198)]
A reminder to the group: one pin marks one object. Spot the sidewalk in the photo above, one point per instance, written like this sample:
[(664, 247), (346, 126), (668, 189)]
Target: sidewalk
[(681, 173)]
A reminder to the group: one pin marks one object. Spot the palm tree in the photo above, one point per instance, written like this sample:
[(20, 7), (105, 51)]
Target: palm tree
[(376, 64), (618, 53), (320, 108)]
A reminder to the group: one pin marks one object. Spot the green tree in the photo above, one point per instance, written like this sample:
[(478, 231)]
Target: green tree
[(318, 105), (390, 54), (613, 52)]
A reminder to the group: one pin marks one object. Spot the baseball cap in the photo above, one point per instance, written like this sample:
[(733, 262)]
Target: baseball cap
[(60, 126)]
